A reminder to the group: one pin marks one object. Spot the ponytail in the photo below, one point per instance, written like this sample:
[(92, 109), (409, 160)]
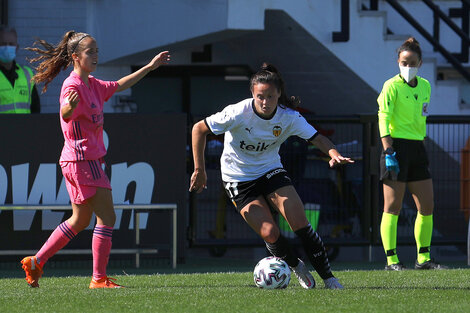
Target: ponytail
[(53, 59), (268, 74)]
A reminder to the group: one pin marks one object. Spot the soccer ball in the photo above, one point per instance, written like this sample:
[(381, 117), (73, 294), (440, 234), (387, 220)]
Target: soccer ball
[(271, 273)]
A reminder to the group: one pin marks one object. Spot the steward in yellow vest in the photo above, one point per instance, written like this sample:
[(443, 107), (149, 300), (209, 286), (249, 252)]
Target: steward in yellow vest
[(16, 98), (18, 93)]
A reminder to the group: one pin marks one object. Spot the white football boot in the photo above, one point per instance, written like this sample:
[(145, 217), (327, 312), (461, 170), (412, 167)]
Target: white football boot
[(303, 275)]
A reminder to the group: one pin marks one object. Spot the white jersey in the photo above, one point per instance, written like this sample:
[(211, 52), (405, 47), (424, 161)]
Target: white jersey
[(251, 143)]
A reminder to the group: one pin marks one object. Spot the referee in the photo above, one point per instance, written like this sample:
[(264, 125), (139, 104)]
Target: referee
[(403, 107)]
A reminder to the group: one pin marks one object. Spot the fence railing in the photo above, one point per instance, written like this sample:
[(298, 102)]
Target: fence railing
[(137, 250), (455, 60)]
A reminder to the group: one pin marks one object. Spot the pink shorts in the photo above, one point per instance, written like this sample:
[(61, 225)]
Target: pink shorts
[(83, 177)]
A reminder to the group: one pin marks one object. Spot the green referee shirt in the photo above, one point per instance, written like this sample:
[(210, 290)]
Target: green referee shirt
[(403, 109)]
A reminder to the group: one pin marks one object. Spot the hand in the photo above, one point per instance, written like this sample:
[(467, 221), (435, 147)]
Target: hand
[(198, 181), (159, 59), (339, 159), (73, 99), (391, 163)]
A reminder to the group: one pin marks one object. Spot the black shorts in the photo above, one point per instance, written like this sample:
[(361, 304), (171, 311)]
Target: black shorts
[(242, 193), (412, 160)]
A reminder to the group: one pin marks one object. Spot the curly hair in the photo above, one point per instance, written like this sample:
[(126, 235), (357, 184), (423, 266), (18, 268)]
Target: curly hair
[(53, 59)]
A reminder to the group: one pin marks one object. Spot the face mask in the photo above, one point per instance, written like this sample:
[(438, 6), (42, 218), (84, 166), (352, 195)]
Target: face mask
[(7, 53), (408, 73)]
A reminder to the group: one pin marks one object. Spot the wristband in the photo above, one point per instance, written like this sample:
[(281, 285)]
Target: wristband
[(389, 151)]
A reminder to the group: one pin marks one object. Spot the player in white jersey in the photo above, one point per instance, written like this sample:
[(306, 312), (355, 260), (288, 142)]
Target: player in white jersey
[(252, 172)]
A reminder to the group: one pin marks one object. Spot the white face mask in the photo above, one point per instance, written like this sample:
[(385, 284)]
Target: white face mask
[(408, 73)]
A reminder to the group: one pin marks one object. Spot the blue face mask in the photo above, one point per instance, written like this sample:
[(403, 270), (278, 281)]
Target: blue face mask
[(7, 53)]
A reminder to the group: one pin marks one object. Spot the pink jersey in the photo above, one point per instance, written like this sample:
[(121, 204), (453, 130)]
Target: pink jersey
[(83, 131)]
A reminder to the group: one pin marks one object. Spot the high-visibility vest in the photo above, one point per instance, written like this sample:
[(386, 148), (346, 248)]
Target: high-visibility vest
[(16, 99)]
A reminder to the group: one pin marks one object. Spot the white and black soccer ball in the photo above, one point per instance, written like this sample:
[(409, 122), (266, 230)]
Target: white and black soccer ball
[(271, 273)]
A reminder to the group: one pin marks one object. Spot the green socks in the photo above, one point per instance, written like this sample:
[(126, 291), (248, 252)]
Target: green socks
[(423, 234), (388, 231)]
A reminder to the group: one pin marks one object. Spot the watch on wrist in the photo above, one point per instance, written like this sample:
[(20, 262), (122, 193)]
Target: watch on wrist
[(389, 151)]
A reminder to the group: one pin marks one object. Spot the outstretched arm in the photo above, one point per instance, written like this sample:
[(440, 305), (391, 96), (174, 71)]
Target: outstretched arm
[(327, 147), (131, 79), (199, 177)]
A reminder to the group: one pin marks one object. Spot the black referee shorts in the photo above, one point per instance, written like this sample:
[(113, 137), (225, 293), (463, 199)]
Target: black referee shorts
[(242, 193), (412, 160)]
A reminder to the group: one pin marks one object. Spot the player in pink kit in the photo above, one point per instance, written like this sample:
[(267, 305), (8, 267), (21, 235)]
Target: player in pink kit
[(81, 118)]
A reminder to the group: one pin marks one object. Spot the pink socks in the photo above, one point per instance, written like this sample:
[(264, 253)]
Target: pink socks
[(101, 246), (57, 240)]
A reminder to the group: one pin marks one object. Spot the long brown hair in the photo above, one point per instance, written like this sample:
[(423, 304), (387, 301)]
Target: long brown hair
[(268, 74), (53, 59)]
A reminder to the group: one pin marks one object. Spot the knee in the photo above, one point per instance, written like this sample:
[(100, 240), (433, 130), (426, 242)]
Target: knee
[(393, 207), (270, 233), (427, 210), (79, 224), (109, 218), (112, 219)]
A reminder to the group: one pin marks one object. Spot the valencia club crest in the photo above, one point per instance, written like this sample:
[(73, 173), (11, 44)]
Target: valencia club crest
[(277, 130)]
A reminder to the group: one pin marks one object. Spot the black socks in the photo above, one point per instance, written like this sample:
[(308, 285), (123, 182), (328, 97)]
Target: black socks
[(282, 249), (316, 252)]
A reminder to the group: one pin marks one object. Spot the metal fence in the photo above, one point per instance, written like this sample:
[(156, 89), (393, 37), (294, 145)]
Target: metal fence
[(448, 139), (345, 202)]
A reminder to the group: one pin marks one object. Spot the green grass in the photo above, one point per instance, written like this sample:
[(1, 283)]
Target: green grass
[(366, 291)]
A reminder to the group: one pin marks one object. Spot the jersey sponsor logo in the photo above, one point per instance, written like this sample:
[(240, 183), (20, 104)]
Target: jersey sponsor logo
[(97, 118), (277, 130), (276, 171), (261, 146), (249, 129)]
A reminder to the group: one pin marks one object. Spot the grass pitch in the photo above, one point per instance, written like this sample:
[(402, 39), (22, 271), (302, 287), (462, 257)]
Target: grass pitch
[(366, 291)]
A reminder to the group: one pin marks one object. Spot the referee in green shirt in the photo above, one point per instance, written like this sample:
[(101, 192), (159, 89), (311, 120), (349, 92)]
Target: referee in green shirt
[(403, 107)]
